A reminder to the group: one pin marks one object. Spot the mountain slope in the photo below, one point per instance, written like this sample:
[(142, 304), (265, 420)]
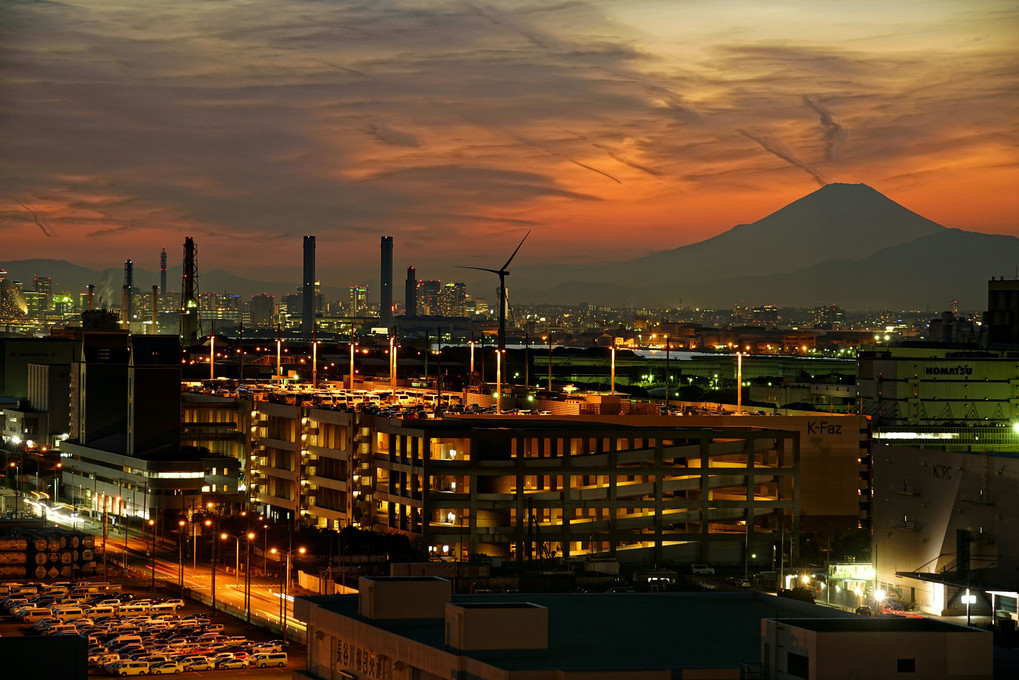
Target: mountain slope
[(839, 220)]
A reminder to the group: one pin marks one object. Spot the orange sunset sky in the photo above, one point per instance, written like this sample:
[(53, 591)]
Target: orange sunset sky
[(608, 129)]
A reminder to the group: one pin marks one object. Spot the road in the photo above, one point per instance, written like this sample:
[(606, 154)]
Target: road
[(197, 574)]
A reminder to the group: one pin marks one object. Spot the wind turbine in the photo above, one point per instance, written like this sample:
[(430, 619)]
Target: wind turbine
[(502, 273)]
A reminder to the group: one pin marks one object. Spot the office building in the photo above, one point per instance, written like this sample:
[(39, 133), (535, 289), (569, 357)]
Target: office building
[(944, 529), (415, 627), (453, 300), (1002, 315), (863, 647), (410, 291), (358, 301), (386, 307), (125, 455), (953, 398), (262, 310), (428, 297)]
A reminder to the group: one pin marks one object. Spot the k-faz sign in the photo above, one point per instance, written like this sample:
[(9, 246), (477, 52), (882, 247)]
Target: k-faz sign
[(823, 427)]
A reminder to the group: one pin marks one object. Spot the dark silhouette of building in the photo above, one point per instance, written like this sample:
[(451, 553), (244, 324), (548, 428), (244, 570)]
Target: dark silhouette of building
[(162, 272), (190, 313), (1002, 316), (386, 309), (308, 288), (411, 291), (262, 309)]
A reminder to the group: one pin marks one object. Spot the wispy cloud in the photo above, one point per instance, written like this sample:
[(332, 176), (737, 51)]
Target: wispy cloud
[(443, 122)]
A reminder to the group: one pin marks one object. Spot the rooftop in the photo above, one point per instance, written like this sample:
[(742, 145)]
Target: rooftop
[(610, 630), (881, 624)]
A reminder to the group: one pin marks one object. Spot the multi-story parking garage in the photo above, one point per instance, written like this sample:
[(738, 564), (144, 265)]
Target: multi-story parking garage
[(519, 487)]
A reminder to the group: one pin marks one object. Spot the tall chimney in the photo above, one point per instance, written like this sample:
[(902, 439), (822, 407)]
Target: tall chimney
[(91, 297), (387, 282), (125, 304), (162, 272), (411, 291), (129, 287), (308, 288), (190, 312), (155, 303)]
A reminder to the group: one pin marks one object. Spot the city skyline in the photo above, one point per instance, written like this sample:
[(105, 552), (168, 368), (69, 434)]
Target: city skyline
[(457, 128)]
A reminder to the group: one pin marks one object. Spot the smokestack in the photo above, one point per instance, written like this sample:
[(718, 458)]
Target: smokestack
[(124, 304), (91, 297), (129, 286), (387, 281), (190, 317), (162, 272), (411, 291), (155, 301), (308, 288)]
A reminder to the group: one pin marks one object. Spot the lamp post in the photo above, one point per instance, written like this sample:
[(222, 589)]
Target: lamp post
[(17, 486), (247, 577), (237, 538), (152, 551), (180, 556), (612, 378), (285, 587), (211, 523)]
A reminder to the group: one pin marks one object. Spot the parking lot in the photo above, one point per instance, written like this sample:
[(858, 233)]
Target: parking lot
[(153, 640)]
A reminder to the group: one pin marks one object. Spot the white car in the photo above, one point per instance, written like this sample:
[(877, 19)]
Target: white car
[(702, 569)]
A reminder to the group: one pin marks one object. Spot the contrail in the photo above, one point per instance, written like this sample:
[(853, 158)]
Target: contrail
[(787, 157), (831, 132), (35, 217)]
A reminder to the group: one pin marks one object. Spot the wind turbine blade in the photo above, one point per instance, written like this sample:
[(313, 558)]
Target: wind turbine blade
[(515, 251), (480, 269)]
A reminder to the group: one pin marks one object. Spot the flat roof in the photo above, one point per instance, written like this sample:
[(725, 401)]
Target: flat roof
[(604, 631), (880, 624)]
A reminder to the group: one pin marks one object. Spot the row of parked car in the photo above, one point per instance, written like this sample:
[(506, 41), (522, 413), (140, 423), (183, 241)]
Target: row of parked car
[(129, 636), (182, 649)]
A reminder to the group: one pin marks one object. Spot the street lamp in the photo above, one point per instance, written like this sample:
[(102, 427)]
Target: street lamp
[(285, 586), (17, 486), (152, 551), (224, 536), (180, 556)]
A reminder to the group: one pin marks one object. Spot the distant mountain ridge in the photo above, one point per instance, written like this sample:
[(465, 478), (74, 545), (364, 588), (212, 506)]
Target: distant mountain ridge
[(844, 244)]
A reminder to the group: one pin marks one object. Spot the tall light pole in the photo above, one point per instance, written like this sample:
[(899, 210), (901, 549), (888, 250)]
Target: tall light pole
[(498, 381), (612, 378), (285, 587), (237, 539), (152, 551), (667, 372), (210, 523), (247, 576), (353, 347), (180, 558)]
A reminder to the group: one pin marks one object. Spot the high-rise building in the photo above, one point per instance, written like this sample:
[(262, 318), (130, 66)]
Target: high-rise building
[(262, 309), (453, 299), (44, 286), (386, 308), (308, 288), (428, 297), (1002, 315), (411, 293), (358, 300)]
